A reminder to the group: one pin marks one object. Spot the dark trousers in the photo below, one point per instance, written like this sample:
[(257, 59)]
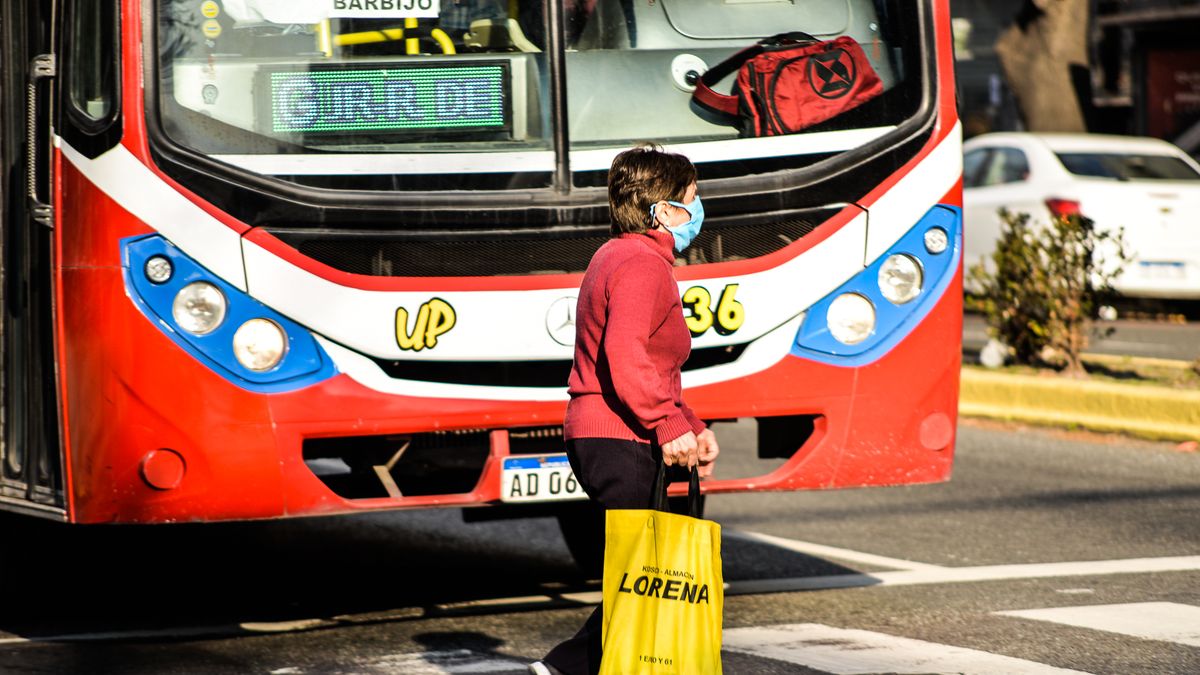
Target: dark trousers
[(616, 475)]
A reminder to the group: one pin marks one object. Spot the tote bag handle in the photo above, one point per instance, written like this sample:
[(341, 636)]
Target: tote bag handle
[(660, 491)]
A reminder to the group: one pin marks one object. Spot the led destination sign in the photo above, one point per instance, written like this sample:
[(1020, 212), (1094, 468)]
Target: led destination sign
[(389, 100)]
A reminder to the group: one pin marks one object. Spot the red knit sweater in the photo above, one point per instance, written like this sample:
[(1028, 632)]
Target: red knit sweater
[(630, 341)]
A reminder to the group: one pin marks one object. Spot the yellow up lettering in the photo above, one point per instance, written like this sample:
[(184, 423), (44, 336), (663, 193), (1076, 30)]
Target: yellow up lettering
[(414, 341), (434, 319), (441, 320)]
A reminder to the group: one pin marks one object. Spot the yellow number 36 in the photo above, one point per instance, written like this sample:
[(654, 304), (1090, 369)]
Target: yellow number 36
[(727, 317)]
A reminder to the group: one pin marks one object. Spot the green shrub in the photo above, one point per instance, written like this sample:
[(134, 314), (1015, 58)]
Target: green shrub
[(1042, 287)]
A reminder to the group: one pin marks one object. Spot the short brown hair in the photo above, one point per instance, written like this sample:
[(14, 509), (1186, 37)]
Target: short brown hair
[(643, 176)]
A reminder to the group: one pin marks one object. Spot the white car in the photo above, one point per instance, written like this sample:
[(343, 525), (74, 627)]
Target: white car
[(1145, 185)]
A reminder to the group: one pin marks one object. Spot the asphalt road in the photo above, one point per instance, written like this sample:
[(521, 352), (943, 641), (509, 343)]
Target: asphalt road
[(1145, 338), (897, 580)]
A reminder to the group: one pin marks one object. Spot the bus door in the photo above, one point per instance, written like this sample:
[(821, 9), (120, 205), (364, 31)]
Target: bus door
[(30, 459)]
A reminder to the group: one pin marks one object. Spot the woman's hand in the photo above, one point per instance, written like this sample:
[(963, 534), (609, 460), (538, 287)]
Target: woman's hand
[(707, 451), (681, 451)]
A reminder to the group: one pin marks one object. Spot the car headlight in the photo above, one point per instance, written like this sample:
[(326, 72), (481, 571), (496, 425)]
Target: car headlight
[(851, 318), (900, 278), (199, 308), (259, 344)]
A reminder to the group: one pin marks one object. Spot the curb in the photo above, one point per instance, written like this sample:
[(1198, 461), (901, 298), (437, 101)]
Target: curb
[(1158, 413)]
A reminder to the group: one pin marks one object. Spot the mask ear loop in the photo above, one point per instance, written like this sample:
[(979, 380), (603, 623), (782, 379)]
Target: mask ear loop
[(654, 224)]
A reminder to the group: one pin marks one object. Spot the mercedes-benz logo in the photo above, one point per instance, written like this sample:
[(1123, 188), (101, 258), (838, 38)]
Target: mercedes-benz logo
[(560, 320)]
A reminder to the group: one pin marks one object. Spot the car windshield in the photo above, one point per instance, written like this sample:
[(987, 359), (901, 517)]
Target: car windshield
[(1121, 166), (452, 87)]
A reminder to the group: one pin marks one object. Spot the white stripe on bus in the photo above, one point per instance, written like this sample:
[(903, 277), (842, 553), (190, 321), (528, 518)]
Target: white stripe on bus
[(827, 142), (365, 320), (351, 164), (138, 190)]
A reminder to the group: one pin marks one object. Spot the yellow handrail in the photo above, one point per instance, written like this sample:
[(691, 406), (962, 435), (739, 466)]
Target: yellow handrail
[(388, 34), (324, 39), (411, 45), (443, 40), (368, 37)]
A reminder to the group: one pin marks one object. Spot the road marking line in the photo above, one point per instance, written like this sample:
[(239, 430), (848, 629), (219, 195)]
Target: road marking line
[(284, 626), (443, 662), (952, 575), (846, 554), (1165, 621), (925, 575), (198, 632), (845, 651)]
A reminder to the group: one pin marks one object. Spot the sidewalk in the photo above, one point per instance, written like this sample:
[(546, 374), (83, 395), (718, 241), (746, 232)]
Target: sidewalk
[(1147, 411)]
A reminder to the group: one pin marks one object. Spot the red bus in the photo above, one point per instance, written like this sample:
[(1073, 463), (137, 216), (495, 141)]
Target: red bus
[(268, 258)]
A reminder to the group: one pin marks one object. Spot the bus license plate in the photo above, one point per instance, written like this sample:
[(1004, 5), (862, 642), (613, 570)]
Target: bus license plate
[(538, 478)]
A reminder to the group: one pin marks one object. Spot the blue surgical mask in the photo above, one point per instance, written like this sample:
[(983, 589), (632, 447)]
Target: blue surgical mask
[(685, 233)]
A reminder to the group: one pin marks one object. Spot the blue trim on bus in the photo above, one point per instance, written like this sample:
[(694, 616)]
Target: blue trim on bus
[(892, 322), (537, 462), (303, 364)]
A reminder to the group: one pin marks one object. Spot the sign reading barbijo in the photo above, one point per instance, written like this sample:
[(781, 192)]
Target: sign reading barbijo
[(383, 9)]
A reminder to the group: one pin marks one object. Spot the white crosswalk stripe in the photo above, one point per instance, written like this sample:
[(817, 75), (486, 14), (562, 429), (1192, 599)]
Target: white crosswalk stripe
[(1166, 621), (447, 662), (845, 651)]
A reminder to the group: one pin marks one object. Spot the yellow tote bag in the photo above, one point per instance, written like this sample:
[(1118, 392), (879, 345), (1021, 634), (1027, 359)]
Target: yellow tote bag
[(663, 590)]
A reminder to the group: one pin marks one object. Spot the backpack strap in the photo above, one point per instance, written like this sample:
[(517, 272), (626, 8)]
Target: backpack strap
[(726, 103)]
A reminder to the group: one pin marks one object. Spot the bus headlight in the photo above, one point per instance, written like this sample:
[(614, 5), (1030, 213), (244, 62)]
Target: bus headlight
[(159, 270), (851, 318), (259, 344), (936, 240), (199, 308), (900, 279), (883, 301)]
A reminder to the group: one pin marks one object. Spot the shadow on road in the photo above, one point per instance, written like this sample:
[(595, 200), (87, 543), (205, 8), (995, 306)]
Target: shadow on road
[(60, 579)]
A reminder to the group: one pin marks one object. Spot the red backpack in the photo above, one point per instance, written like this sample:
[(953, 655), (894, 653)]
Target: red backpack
[(790, 82)]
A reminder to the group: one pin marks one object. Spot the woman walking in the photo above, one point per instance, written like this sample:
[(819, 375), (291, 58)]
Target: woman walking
[(627, 413)]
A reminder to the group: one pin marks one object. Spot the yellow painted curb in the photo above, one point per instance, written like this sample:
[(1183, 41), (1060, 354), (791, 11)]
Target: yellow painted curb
[(1147, 411)]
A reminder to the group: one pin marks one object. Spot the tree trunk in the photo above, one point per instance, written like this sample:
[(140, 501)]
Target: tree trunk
[(1037, 54)]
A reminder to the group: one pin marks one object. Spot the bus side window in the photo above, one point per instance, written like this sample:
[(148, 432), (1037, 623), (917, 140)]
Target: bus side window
[(91, 54)]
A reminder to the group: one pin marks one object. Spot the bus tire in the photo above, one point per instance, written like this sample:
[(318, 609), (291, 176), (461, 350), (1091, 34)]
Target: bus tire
[(10, 547)]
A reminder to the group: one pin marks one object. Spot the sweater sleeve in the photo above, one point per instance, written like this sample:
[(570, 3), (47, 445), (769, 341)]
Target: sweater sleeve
[(635, 310), (698, 425)]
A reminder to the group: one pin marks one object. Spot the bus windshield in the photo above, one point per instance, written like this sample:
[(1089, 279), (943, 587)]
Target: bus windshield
[(292, 87)]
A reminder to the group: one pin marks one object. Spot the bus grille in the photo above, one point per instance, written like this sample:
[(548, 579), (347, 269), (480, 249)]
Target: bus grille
[(432, 463), (526, 253), (550, 373), (445, 462)]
